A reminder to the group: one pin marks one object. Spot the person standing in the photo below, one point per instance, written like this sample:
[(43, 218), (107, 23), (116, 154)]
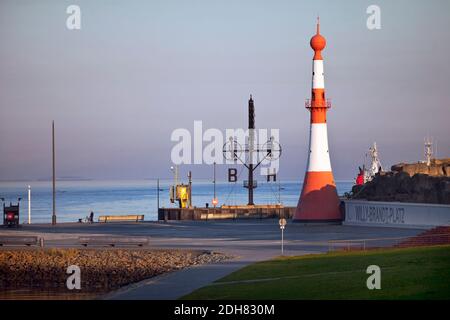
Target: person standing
[(91, 217)]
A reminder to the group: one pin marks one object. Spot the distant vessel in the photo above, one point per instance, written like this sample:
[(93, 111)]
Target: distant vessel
[(366, 173)]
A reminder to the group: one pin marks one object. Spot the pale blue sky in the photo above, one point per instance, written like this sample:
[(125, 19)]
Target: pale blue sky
[(140, 69)]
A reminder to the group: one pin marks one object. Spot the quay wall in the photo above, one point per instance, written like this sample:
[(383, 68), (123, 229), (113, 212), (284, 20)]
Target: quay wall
[(396, 214), (238, 212)]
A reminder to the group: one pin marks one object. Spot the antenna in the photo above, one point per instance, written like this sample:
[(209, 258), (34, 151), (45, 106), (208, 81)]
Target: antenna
[(375, 164), (428, 150)]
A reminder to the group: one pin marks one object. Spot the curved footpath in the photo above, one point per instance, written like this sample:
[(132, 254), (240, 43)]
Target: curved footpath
[(248, 241)]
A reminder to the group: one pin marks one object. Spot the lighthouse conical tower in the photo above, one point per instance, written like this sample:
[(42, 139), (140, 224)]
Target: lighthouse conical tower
[(319, 200)]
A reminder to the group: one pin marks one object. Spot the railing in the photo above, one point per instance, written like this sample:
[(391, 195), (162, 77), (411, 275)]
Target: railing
[(398, 242), (317, 104)]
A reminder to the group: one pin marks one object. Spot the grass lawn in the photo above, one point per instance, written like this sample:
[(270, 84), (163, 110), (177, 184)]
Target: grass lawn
[(412, 273)]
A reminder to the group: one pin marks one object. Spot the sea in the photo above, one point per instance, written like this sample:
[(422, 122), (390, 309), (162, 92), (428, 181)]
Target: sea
[(76, 199)]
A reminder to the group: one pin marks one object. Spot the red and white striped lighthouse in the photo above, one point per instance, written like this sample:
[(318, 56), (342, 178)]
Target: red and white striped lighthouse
[(318, 201)]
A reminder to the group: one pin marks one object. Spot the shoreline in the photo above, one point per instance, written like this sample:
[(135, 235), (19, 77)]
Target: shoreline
[(246, 240), (42, 273)]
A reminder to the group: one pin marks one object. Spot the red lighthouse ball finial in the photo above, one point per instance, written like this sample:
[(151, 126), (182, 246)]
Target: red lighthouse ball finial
[(318, 42)]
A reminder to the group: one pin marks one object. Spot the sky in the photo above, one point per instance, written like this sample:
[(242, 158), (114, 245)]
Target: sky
[(138, 70)]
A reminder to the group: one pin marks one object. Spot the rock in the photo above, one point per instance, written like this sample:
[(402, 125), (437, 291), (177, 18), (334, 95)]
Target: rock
[(400, 186), (102, 270), (437, 168), (446, 169)]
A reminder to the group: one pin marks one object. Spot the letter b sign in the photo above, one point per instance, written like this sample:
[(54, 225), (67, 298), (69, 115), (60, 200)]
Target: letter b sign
[(232, 175)]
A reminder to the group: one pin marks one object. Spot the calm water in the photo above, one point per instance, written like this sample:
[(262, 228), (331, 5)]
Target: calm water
[(75, 199)]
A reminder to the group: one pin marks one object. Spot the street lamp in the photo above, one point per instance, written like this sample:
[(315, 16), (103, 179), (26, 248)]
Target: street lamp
[(282, 222)]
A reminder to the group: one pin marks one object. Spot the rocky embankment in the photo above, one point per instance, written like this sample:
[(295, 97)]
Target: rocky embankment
[(437, 168), (101, 270), (409, 183)]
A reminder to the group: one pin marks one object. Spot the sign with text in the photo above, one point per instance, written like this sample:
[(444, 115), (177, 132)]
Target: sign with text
[(396, 214)]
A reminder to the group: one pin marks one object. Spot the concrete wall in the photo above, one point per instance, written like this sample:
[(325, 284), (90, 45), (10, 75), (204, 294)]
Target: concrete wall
[(396, 214), (258, 212)]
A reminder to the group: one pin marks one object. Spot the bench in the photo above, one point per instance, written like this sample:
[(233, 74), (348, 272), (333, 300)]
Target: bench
[(20, 241), (112, 241), (122, 218)]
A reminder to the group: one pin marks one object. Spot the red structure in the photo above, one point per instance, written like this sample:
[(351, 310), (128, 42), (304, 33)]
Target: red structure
[(318, 201), (11, 215), (360, 177)]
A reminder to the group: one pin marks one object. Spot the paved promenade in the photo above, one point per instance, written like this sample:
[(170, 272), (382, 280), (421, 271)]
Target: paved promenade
[(247, 240)]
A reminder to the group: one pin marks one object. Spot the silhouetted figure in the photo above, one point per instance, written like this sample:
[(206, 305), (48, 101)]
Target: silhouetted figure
[(91, 217)]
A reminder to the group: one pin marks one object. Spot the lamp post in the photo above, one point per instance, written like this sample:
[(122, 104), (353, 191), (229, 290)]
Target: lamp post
[(53, 178), (214, 184), (190, 189), (157, 192), (29, 204), (282, 223), (174, 169)]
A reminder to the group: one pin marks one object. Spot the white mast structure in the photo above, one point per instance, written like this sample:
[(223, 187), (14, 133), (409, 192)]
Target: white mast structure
[(428, 151), (375, 163)]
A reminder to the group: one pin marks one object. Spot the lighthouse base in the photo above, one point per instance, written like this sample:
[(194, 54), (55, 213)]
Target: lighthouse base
[(319, 200)]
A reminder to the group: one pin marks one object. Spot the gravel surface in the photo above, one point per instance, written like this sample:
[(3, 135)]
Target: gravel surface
[(101, 270)]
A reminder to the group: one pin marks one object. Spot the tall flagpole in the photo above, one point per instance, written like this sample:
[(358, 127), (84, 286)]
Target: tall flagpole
[(157, 192), (53, 169), (29, 204)]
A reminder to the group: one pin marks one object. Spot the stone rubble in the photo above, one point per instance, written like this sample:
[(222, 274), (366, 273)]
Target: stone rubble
[(101, 270)]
